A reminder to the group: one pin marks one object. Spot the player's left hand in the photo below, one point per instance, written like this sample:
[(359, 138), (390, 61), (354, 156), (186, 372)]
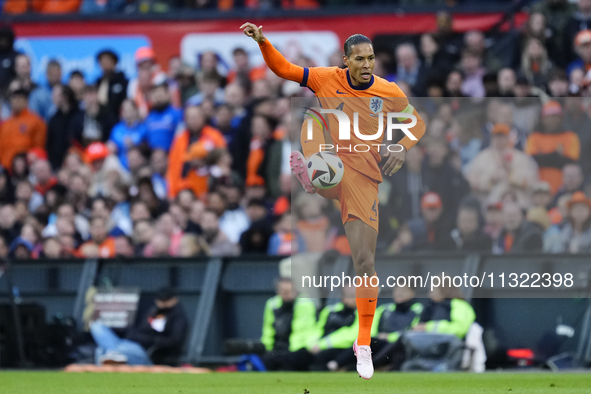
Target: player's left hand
[(394, 161)]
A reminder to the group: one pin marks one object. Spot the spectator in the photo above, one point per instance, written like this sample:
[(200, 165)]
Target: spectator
[(159, 164), (22, 131), (158, 247), (193, 246), (262, 128), (130, 131), (112, 84), (471, 66), (288, 325), (434, 63), (148, 75), (582, 49), (506, 82), (407, 188), (44, 178), (9, 227), (218, 242), (78, 85), (280, 243), (143, 232), (431, 231), (541, 197), (572, 181), (187, 83), (558, 85), (163, 120), (335, 330), (106, 169), (124, 247), (53, 73), (39, 97), (243, 68), (525, 110), (501, 167), (476, 41), (147, 194), (408, 64), (157, 339), (468, 235), (578, 21), (442, 178), (535, 64), (100, 244), (553, 147), (557, 13), (577, 120), (6, 188), (313, 225), (61, 124), (446, 313), (52, 249), (518, 235), (256, 238), (234, 220), (209, 88), (536, 27), (21, 249), (186, 169), (94, 124), (167, 226), (7, 56), (454, 83), (575, 235)]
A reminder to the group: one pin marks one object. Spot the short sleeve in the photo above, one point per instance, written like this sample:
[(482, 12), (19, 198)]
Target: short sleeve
[(315, 77), (400, 102)]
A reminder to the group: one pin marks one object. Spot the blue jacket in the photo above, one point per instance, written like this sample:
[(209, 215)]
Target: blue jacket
[(121, 132), (161, 126)]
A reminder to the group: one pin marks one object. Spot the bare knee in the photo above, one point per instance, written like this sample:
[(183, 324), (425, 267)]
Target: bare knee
[(364, 264)]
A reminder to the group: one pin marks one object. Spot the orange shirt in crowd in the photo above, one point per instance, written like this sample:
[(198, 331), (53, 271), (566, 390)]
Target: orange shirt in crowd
[(106, 248), (182, 151), (20, 133), (542, 144), (254, 74), (42, 6)]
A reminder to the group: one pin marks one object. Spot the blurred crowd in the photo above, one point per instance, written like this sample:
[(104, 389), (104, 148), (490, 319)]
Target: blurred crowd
[(163, 6), (190, 162)]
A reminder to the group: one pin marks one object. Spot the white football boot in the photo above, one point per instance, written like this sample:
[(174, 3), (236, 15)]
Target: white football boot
[(364, 361)]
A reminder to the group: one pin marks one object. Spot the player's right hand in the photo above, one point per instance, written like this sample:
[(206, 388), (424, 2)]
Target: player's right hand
[(251, 30)]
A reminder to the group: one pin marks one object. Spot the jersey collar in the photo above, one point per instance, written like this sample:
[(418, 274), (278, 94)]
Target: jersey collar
[(359, 87)]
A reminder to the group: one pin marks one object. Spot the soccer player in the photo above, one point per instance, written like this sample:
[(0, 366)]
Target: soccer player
[(351, 90)]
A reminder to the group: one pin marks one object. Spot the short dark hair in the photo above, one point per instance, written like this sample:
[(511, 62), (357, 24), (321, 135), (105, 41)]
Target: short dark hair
[(54, 62), (355, 39), (165, 294), (20, 92), (76, 73)]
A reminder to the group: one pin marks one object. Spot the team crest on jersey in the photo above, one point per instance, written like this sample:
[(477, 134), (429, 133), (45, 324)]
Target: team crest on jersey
[(376, 105)]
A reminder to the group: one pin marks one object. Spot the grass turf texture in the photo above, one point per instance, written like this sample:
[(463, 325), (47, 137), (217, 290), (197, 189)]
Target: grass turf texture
[(297, 383)]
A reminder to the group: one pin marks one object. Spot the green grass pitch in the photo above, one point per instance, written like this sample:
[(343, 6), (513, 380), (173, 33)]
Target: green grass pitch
[(296, 383)]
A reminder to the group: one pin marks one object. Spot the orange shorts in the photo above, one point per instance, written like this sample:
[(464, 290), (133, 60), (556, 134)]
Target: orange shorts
[(358, 196)]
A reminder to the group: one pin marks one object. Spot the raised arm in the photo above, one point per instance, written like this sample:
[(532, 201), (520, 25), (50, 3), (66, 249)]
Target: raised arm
[(274, 59)]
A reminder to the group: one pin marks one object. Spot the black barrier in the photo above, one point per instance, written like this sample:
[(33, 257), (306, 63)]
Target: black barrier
[(225, 298)]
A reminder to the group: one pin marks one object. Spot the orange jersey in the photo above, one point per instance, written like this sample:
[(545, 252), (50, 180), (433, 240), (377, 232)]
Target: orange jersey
[(334, 89), (544, 144), (332, 86), (20, 133)]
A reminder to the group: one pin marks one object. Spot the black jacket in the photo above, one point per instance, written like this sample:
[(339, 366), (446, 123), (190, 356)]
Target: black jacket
[(527, 238), (59, 139), (117, 92), (7, 57), (167, 346), (478, 241), (105, 121)]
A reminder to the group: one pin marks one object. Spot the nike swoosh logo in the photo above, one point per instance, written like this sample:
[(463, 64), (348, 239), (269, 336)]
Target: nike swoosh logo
[(373, 220), (338, 92), (374, 300)]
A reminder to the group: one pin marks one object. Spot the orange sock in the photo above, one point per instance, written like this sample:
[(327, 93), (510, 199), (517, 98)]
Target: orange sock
[(366, 299)]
